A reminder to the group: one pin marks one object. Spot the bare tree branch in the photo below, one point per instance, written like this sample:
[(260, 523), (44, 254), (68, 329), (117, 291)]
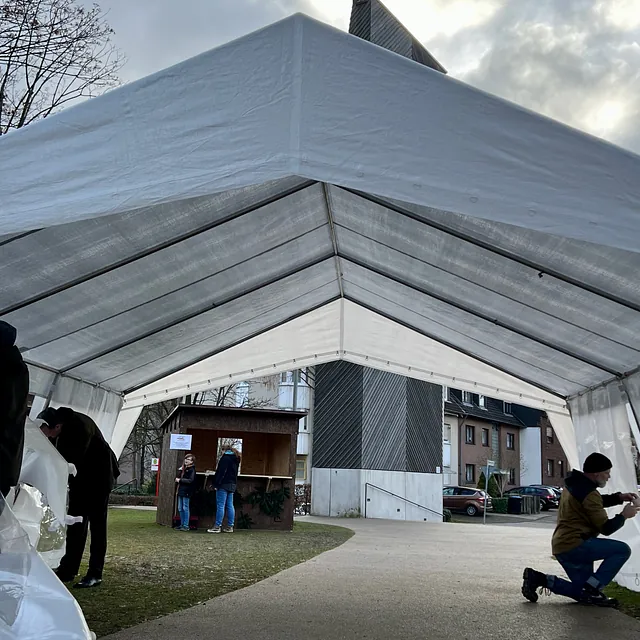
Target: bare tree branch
[(52, 52)]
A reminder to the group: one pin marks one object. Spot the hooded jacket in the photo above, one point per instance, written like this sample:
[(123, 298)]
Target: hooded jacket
[(14, 392), (582, 513)]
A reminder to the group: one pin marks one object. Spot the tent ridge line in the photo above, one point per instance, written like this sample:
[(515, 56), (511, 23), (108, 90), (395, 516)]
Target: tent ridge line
[(484, 287), (480, 315), (280, 245), (195, 314), (451, 346), (334, 237), (230, 346), (501, 252), (157, 248)]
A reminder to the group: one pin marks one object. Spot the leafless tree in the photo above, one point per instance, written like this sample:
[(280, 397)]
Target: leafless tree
[(52, 52)]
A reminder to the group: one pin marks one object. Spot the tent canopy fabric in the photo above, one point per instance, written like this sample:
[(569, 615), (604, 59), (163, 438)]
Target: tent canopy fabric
[(300, 195)]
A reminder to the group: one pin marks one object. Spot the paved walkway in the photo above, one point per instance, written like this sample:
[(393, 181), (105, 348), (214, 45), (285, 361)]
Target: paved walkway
[(401, 580)]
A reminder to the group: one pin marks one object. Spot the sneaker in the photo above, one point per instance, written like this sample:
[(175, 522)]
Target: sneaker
[(227, 530), (214, 530), (595, 597), (532, 580)]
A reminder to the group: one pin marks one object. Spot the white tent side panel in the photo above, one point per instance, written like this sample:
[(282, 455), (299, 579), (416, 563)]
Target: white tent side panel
[(301, 98)]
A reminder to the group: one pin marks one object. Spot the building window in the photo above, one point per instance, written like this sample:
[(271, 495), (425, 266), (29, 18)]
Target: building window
[(561, 468), (467, 398), (485, 437), (550, 468), (446, 394), (507, 408), (512, 476), (446, 432), (470, 473), (470, 435), (301, 468), (482, 401), (549, 435), (511, 442)]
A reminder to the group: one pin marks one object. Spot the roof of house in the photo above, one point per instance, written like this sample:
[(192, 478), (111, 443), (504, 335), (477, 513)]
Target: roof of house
[(493, 412), (372, 21)]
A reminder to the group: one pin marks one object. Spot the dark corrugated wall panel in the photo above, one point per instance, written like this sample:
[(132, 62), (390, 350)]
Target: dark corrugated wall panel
[(337, 428), (424, 426), (384, 418), (360, 24), (388, 32)]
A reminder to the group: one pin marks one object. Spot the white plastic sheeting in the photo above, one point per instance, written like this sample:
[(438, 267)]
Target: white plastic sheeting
[(34, 604), (158, 236), (602, 425)]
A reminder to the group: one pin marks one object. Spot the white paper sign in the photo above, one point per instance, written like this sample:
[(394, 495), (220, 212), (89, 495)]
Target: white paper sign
[(155, 464), (180, 441)]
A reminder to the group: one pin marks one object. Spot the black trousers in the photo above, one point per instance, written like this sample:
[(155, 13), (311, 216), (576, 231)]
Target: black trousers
[(93, 510)]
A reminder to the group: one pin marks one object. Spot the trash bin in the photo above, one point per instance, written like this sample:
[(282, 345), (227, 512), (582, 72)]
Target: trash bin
[(514, 505)]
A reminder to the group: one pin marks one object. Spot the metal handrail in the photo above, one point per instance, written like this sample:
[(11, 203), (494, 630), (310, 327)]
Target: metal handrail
[(395, 495)]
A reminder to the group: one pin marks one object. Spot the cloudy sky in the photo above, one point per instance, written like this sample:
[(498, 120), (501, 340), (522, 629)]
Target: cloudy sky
[(574, 60)]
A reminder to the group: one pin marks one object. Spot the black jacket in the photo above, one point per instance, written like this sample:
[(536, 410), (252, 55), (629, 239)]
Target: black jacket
[(14, 391), (187, 482), (82, 444), (227, 472)]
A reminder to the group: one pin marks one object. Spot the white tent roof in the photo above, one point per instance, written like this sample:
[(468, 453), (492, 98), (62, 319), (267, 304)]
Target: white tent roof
[(300, 195)]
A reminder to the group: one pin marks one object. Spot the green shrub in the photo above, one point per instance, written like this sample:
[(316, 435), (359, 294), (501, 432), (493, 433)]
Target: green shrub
[(500, 505), (494, 492)]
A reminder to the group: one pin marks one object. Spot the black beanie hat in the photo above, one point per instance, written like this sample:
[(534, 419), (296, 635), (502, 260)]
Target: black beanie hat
[(596, 463)]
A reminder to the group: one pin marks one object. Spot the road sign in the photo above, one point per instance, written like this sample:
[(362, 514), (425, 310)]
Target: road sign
[(491, 463)]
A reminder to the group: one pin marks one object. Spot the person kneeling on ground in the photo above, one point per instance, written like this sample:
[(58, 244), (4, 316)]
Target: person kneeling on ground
[(186, 485), (81, 443), (225, 482), (576, 546)]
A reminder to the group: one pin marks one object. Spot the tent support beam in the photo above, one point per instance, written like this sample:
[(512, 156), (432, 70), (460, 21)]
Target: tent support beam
[(195, 314), (486, 246), (230, 346), (486, 318), (334, 238), (454, 347), (160, 247)]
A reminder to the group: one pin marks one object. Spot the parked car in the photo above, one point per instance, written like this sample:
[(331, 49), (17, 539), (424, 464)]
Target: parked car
[(466, 499), (556, 490), (549, 499)]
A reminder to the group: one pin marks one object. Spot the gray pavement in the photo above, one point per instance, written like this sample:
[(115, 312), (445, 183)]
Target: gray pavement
[(401, 580)]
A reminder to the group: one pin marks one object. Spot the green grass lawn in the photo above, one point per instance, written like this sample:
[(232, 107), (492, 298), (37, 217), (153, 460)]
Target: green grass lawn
[(629, 600), (152, 571)]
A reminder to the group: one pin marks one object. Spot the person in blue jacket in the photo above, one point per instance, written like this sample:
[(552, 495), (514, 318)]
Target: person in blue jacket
[(186, 481), (225, 482)]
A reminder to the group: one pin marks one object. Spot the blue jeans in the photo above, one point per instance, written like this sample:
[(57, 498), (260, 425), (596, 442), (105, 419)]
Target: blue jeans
[(225, 499), (578, 563), (183, 510)]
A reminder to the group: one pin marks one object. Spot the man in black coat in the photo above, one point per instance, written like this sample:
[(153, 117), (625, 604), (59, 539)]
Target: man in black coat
[(81, 443), (14, 391)]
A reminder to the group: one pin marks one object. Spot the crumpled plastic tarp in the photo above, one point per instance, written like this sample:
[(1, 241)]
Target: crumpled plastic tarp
[(34, 604)]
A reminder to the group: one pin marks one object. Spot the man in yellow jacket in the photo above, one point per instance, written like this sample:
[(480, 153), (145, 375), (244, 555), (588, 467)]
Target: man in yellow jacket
[(576, 546)]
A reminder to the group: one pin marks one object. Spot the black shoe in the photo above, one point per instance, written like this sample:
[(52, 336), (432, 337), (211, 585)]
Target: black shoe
[(87, 582), (532, 580), (595, 597), (62, 576)]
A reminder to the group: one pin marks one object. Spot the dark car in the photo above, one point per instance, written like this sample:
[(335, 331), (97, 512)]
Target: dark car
[(556, 490), (466, 499), (548, 497)]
